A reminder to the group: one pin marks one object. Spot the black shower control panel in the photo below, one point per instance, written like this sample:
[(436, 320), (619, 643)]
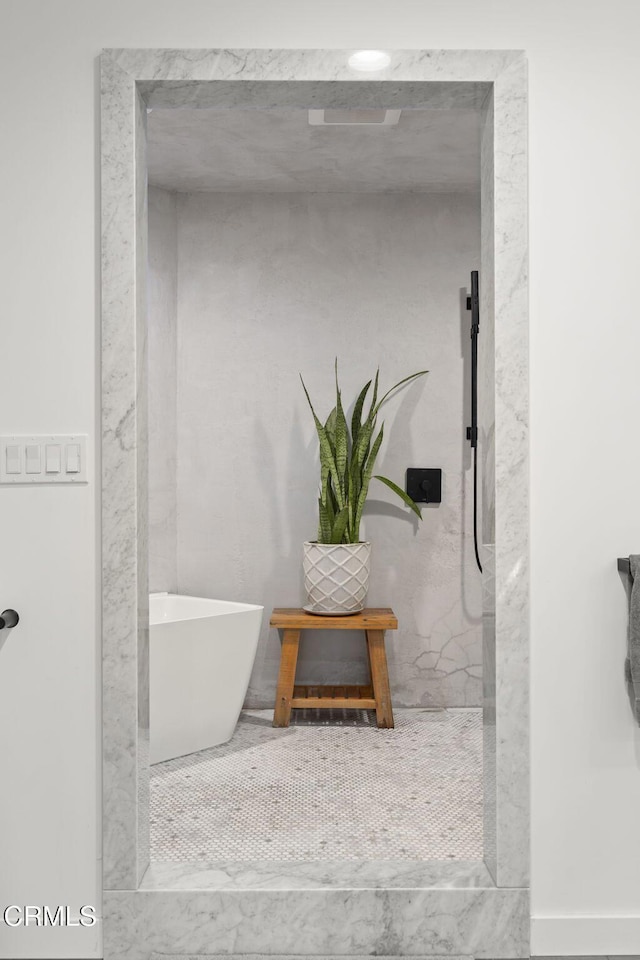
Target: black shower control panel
[(424, 485)]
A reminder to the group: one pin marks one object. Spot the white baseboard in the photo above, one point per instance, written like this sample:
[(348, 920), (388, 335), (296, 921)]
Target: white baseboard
[(585, 936)]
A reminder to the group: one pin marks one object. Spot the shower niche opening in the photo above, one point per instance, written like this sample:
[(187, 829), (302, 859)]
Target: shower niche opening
[(280, 240)]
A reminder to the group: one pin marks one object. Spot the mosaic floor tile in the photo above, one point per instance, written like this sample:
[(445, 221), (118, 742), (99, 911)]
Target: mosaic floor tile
[(326, 789)]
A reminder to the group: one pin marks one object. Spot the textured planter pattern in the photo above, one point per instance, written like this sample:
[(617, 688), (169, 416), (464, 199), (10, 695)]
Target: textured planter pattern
[(336, 576)]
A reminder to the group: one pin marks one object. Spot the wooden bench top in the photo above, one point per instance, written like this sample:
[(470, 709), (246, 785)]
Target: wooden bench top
[(371, 618)]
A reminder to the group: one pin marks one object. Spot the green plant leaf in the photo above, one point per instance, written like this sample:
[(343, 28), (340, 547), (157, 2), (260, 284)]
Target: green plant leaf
[(403, 496), (413, 376), (330, 505), (340, 525), (341, 440), (359, 453), (373, 409), (331, 500), (324, 482), (326, 454), (355, 484), (330, 429), (366, 477), (356, 416), (324, 529), (350, 524)]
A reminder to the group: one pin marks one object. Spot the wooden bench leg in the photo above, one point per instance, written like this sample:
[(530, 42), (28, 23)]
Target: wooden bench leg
[(286, 678), (380, 677)]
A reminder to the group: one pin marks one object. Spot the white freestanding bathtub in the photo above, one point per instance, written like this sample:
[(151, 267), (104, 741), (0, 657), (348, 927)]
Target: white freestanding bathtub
[(201, 654)]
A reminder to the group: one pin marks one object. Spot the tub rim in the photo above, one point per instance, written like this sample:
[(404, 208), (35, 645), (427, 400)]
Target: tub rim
[(246, 608)]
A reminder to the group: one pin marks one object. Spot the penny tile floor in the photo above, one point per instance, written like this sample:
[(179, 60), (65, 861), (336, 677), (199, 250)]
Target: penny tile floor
[(326, 788)]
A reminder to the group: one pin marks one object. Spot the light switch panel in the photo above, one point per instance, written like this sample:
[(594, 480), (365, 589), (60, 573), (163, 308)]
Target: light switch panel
[(33, 458), (48, 458), (52, 458), (73, 458), (13, 458)]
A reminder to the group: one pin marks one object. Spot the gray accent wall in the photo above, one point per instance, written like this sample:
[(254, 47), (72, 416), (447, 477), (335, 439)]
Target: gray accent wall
[(270, 286)]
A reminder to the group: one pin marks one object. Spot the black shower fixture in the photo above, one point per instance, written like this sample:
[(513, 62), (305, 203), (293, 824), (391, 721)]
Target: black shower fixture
[(473, 304), (424, 485)]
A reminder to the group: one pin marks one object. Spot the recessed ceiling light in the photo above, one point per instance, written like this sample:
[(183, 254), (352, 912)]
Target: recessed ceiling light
[(369, 60)]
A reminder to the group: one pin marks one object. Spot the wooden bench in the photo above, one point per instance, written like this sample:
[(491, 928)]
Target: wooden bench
[(375, 695)]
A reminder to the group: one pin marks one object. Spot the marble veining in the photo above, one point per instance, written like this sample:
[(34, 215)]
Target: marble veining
[(142, 486), (404, 922), (481, 922), (458, 74), (512, 477), (486, 455), (489, 752), (487, 339), (301, 875), (124, 482)]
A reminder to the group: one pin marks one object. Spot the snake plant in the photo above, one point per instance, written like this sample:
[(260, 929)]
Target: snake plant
[(347, 462)]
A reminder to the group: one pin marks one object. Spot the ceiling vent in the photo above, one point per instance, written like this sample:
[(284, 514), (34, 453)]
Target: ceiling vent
[(354, 118)]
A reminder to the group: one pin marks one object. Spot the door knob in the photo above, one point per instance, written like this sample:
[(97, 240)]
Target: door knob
[(8, 618)]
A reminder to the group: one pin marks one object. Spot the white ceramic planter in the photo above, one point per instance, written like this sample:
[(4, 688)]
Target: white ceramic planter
[(336, 577)]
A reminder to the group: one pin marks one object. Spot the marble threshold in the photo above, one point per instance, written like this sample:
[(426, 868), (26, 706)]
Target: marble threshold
[(335, 875)]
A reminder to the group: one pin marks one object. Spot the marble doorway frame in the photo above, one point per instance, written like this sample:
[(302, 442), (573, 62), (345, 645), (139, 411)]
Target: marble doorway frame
[(481, 910)]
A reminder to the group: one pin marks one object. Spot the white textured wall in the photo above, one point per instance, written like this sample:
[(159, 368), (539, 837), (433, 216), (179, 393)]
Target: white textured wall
[(162, 353), (270, 286), (585, 343)]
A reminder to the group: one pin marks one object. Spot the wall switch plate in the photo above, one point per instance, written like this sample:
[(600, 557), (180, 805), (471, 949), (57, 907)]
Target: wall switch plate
[(424, 485), (46, 458)]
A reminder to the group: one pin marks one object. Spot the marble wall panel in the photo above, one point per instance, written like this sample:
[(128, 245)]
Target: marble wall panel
[(162, 337), (300, 875), (490, 757), (142, 487), (483, 923), (124, 482), (486, 466), (271, 286), (486, 338), (512, 476), (170, 78), (503, 448)]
